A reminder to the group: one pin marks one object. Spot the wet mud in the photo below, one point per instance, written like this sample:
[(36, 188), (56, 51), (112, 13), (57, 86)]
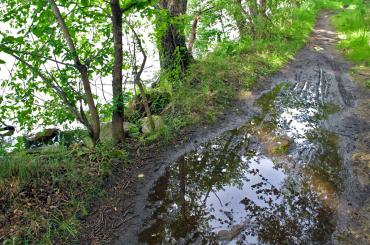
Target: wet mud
[(296, 171)]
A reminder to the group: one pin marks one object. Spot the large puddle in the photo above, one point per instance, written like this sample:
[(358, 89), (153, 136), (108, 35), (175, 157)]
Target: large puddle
[(273, 181)]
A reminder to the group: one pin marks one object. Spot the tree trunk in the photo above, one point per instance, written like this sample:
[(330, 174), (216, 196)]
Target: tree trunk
[(193, 34), (94, 131), (118, 111), (173, 50), (145, 103), (137, 80)]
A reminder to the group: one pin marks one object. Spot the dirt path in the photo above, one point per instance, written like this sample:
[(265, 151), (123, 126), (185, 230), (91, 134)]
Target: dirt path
[(351, 124), (320, 75)]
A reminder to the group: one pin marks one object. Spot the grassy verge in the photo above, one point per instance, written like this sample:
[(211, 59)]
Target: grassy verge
[(353, 26), (45, 195)]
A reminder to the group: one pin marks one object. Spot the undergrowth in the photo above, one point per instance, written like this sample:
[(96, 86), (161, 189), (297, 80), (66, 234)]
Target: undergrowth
[(353, 24), (44, 195)]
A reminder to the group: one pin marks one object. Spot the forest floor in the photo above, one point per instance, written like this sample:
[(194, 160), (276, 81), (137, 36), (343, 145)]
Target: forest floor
[(319, 75)]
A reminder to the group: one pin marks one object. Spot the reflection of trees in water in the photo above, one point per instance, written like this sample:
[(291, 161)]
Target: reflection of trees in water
[(304, 212), (292, 213), (296, 218), (185, 188)]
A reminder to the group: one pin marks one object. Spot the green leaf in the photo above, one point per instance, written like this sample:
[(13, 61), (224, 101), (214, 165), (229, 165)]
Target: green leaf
[(2, 61), (85, 2)]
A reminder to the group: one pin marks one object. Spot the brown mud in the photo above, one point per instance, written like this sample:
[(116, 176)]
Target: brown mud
[(299, 146)]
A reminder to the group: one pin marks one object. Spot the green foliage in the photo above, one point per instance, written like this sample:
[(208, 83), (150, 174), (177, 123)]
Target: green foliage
[(43, 59), (161, 136), (353, 24), (134, 131), (329, 4), (157, 101)]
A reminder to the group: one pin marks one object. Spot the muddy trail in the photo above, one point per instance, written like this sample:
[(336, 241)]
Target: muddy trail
[(289, 167)]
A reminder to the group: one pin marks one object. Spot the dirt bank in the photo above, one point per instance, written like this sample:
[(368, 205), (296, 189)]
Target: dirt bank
[(317, 70)]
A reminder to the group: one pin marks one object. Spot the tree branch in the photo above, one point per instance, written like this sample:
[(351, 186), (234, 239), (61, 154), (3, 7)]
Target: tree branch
[(8, 50), (58, 91), (83, 69), (65, 31)]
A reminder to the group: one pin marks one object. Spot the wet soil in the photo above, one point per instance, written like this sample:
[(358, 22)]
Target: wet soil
[(289, 166)]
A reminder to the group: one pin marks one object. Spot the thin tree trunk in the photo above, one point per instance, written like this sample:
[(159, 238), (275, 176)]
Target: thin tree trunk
[(193, 34), (145, 103), (118, 111), (137, 79), (95, 121)]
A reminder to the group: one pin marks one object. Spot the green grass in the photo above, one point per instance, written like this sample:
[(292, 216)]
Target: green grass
[(45, 195), (353, 25)]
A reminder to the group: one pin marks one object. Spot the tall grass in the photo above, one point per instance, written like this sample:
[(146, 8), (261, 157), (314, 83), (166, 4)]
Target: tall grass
[(353, 25)]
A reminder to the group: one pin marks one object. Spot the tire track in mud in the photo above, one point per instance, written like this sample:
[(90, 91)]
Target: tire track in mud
[(321, 71)]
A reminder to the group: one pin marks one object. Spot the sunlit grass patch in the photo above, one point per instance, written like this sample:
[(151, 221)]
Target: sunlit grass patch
[(356, 46), (353, 25)]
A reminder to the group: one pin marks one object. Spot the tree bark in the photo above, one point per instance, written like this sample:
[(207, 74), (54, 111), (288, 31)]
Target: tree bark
[(95, 121), (173, 50), (118, 111), (193, 34)]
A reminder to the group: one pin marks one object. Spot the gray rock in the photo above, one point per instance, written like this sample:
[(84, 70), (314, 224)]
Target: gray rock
[(234, 231), (145, 124)]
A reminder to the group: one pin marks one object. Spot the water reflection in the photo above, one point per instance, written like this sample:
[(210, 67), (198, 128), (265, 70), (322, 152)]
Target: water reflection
[(227, 192)]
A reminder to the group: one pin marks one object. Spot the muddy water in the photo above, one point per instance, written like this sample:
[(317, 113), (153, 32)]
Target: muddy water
[(273, 181)]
